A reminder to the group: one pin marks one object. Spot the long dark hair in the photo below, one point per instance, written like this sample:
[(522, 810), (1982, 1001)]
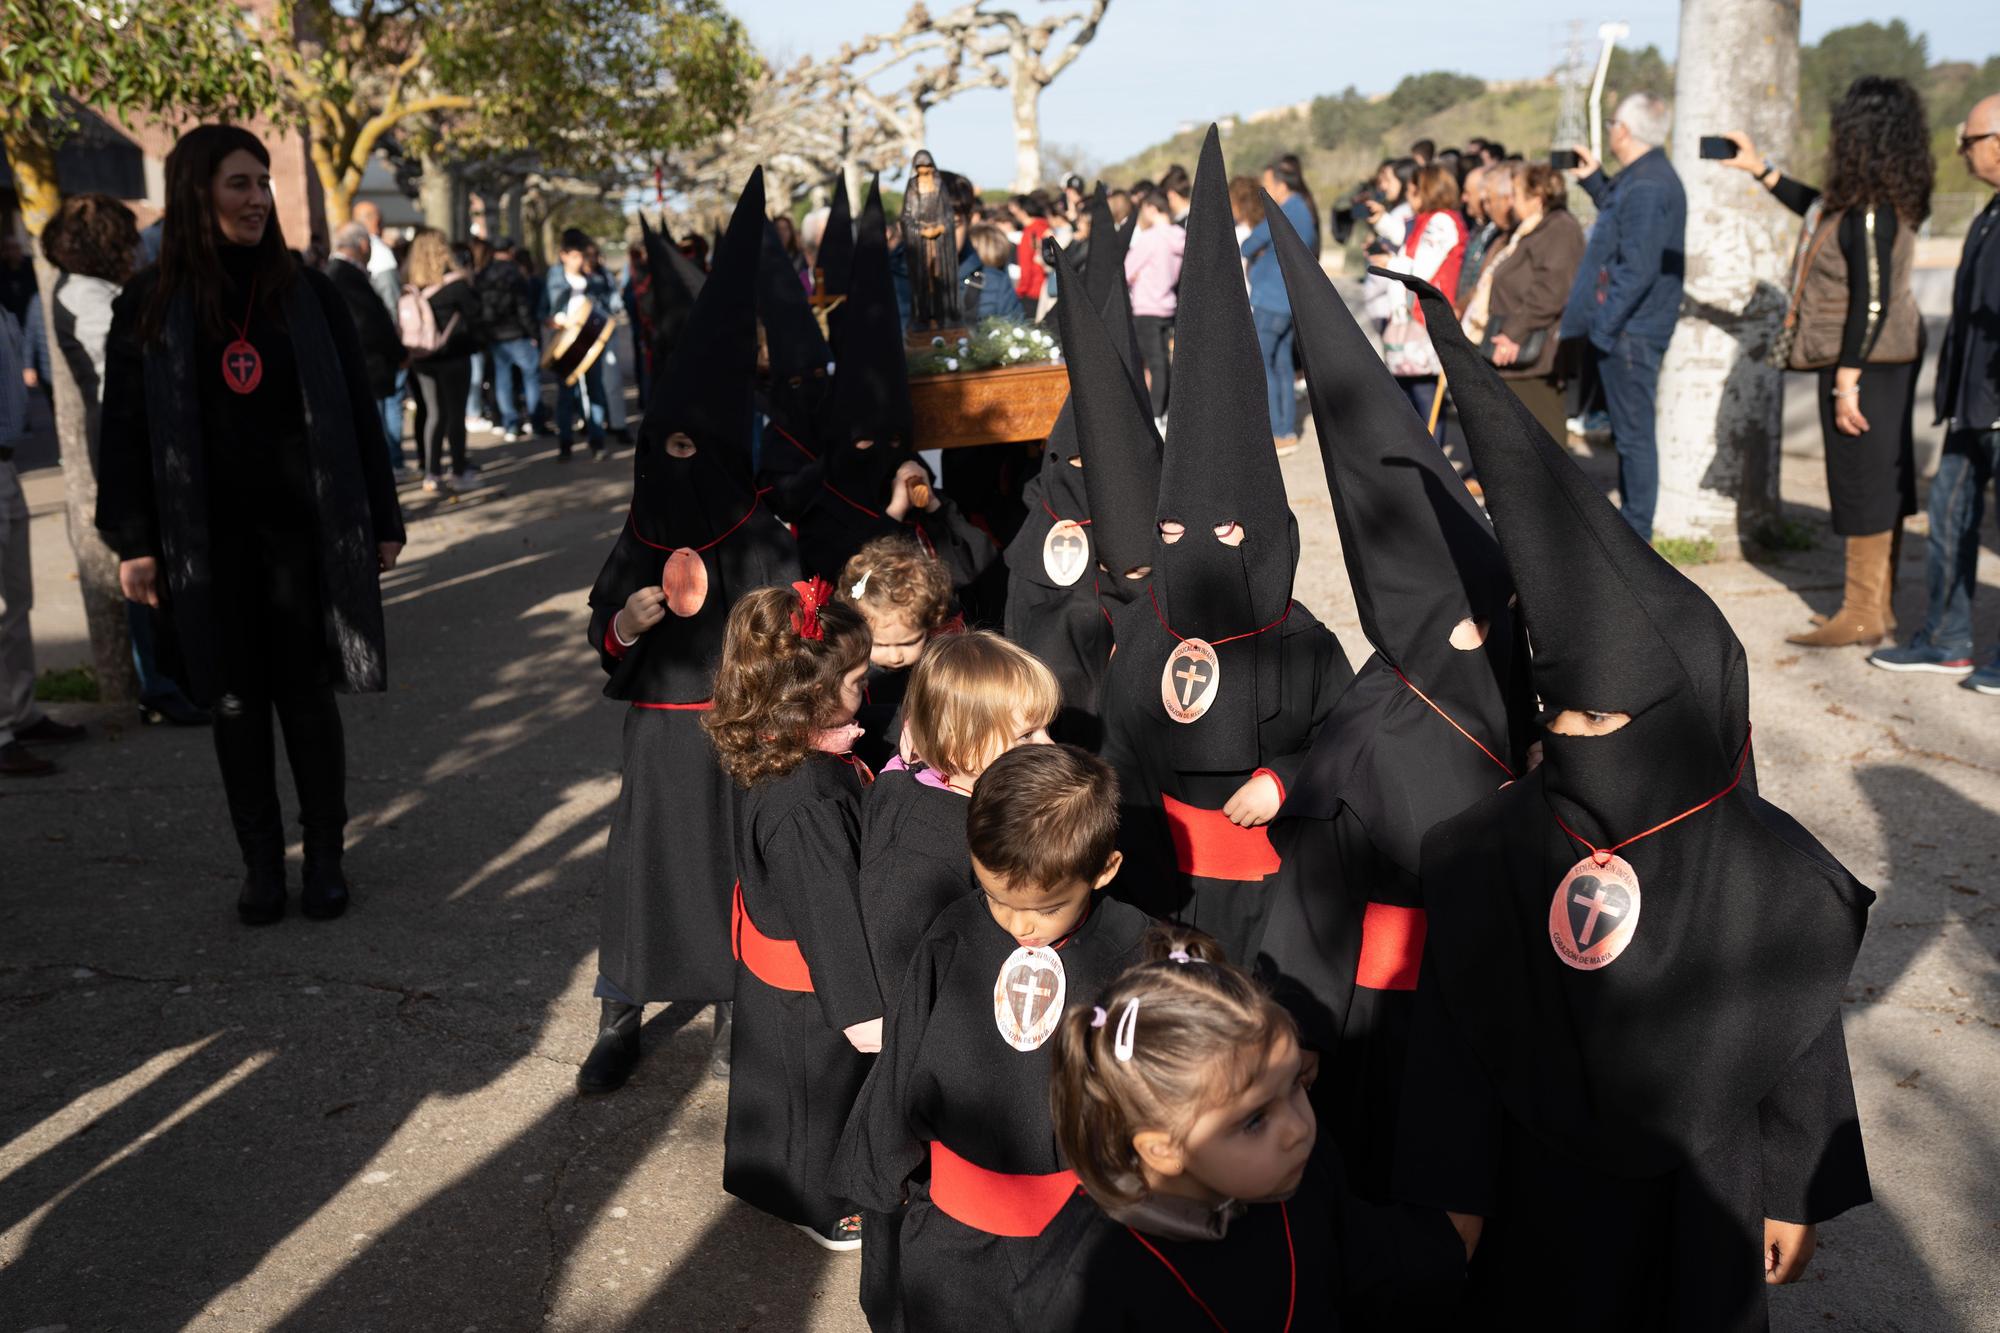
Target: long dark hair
[(189, 236), (1878, 150)]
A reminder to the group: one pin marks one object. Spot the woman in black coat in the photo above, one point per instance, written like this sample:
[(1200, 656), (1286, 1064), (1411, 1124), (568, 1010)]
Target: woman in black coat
[(443, 375), (243, 484)]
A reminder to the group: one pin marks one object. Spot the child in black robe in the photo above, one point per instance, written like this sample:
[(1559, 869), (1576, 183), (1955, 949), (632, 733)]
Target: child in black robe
[(1220, 680), (905, 595), (697, 536), (1052, 600), (871, 482), (807, 1013), (953, 1129), (1667, 1089), (973, 697)]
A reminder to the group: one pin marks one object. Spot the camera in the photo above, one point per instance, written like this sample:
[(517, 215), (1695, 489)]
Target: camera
[(1564, 159), (1353, 208), (1717, 148)]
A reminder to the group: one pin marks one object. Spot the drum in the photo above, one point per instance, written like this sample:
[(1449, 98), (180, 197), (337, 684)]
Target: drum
[(578, 342)]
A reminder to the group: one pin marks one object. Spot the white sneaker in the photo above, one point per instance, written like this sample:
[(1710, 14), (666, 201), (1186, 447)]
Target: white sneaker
[(478, 423), (433, 485)]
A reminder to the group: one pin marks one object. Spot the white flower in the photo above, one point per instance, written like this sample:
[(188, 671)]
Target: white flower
[(951, 363), (1013, 354), (938, 341)]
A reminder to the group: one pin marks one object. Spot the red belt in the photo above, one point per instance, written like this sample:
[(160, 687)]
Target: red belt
[(1392, 944), (994, 1202), (701, 707), (1208, 845), (776, 963)]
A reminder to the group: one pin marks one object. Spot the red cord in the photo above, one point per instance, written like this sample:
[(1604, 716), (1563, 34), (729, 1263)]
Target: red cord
[(1080, 522), (1454, 725), (786, 435), (1602, 855), (1214, 643), (1291, 1254), (756, 499)]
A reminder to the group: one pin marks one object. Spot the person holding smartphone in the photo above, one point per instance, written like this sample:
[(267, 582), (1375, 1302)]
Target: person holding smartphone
[(1879, 176)]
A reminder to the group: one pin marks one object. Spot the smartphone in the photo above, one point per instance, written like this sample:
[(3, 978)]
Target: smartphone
[(1715, 148), (1563, 159)]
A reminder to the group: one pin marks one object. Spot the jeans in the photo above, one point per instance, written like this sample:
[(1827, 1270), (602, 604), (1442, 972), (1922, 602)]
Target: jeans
[(1422, 391), (1630, 372), (1274, 336), (17, 594), (517, 359), (473, 406), (392, 418), (569, 402), (1156, 340), (1970, 464)]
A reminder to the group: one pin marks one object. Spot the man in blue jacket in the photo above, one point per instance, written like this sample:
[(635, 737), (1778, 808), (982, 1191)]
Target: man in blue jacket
[(1271, 306), (1628, 289)]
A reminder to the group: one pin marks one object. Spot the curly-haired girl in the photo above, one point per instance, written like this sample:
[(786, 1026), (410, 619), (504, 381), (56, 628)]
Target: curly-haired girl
[(807, 1013), (905, 594)]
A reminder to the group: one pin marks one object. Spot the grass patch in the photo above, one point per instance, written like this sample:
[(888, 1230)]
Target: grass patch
[(1685, 550), (1786, 534), (69, 685)]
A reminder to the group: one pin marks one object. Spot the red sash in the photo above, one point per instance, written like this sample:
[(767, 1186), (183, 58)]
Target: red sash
[(994, 1202), (1392, 944), (776, 963), (1208, 845)]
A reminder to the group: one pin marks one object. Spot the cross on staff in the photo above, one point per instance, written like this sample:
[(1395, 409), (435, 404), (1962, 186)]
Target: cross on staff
[(1597, 903), (822, 303), (1194, 675)]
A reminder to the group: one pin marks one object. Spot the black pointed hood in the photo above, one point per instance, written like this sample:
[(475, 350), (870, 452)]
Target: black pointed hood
[(834, 263), (872, 381), (699, 513), (676, 283), (799, 392), (1421, 558)]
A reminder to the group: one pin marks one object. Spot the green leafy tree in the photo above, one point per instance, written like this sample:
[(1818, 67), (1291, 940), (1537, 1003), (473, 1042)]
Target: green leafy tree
[(1642, 71), (1350, 120), (1845, 54), (134, 60), (1420, 95)]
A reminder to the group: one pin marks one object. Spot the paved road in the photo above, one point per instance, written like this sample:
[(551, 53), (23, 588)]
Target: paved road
[(370, 1124)]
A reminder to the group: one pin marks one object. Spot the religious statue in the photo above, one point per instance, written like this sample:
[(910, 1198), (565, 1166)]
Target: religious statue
[(930, 247)]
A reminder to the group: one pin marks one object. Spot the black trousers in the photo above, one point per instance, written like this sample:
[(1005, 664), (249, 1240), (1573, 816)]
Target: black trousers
[(441, 390), (1156, 343)]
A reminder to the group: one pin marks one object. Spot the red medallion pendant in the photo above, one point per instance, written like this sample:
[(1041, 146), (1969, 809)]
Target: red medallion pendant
[(685, 581), (1595, 912), (1065, 552), (242, 367), (1188, 684)]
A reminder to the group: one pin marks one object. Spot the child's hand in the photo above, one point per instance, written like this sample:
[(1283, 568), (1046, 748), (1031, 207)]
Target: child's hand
[(1468, 1226), (642, 610), (1788, 1248), (1255, 802), (900, 499), (865, 1037)]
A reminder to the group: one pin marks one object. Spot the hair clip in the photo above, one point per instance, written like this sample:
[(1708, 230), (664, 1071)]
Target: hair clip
[(860, 588), (813, 594), (1179, 956), (1128, 1031), (1097, 1015)]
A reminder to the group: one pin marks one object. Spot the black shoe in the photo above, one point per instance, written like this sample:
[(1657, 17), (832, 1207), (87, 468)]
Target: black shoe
[(48, 731), (324, 895), (616, 1052), (18, 761), (843, 1235), (562, 453), (173, 708), (262, 901), (718, 1042)]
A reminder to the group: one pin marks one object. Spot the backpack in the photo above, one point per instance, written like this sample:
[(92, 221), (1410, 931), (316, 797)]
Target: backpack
[(417, 322)]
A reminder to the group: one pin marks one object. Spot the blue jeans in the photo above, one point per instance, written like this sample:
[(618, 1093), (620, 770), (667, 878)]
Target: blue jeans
[(1630, 372), (568, 402), (1274, 336), (1422, 393), (517, 358), (473, 407), (1970, 464), (392, 418)]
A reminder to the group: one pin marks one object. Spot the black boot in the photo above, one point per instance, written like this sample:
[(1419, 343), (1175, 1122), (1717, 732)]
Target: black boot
[(718, 1042), (324, 896), (612, 1059), (262, 901)]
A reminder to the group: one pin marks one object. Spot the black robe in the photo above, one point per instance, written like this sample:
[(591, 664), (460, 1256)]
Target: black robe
[(1066, 626), (793, 1074), (1311, 672), (914, 864), (947, 1076), (1675, 1226), (833, 524)]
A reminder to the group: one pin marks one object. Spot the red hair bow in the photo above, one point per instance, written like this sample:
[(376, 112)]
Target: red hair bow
[(813, 594)]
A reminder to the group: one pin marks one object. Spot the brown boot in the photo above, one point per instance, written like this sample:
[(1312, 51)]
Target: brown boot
[(1863, 617)]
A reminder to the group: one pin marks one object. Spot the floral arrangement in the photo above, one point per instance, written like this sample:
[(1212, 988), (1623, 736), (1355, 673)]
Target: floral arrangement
[(996, 343)]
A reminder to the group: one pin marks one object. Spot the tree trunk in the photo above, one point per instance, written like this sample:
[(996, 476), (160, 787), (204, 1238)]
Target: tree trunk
[(1027, 123), (1719, 405), (511, 209), (34, 163), (436, 195)]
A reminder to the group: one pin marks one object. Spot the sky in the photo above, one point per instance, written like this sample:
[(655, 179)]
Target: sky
[(1158, 63)]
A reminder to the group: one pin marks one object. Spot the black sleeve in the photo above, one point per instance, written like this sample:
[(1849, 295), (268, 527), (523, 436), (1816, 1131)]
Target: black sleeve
[(961, 545), (1150, 879), (126, 515), (880, 1149), (1814, 1166), (1795, 195), (816, 854), (1448, 1117), (600, 629), (376, 477), (1864, 324), (1331, 677)]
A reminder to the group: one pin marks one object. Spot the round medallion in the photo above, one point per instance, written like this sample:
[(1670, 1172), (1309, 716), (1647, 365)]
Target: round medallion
[(1066, 552), (1028, 996), (1188, 684), (1594, 913), (920, 495), (242, 367), (685, 581)]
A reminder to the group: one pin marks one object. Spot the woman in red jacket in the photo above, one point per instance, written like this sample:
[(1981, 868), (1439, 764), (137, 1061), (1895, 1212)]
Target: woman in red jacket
[(1032, 216)]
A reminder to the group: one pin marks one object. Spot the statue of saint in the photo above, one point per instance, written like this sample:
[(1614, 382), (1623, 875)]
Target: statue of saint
[(930, 247)]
